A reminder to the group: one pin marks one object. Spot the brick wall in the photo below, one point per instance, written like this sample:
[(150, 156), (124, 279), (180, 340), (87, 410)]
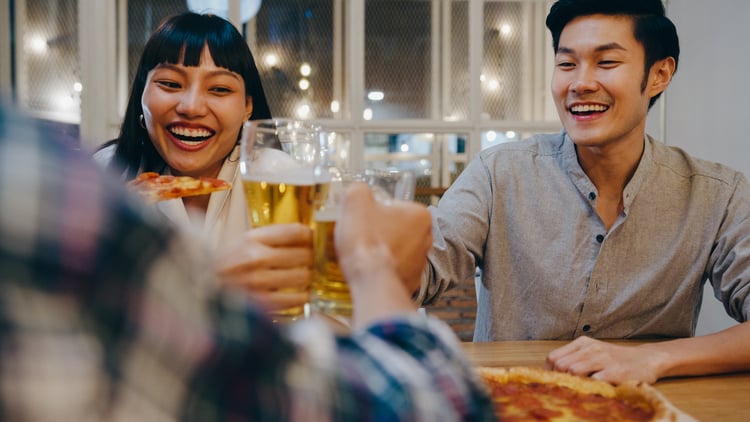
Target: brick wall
[(458, 308)]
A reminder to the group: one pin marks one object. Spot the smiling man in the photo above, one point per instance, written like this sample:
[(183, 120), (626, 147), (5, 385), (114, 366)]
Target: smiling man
[(601, 231)]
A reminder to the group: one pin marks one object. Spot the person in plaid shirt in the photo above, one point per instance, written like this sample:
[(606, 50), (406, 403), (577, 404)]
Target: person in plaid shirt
[(108, 313)]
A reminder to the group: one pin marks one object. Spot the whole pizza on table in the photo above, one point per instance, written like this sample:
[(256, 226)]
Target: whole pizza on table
[(159, 187), (535, 394)]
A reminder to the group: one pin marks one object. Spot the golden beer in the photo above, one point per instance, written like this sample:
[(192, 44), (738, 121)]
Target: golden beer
[(330, 292), (280, 203)]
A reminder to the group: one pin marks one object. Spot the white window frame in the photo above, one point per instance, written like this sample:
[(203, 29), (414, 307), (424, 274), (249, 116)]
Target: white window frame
[(103, 63)]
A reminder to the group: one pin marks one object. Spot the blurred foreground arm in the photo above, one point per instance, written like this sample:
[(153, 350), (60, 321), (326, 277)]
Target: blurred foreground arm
[(378, 247), (110, 314)]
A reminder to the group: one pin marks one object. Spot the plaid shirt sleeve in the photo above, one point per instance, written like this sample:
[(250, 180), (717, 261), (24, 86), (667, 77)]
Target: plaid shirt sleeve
[(107, 314)]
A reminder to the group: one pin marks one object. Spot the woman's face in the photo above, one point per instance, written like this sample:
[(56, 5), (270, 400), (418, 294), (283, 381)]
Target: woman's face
[(194, 114)]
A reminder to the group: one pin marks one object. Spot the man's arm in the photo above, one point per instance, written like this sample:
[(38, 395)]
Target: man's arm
[(461, 222)]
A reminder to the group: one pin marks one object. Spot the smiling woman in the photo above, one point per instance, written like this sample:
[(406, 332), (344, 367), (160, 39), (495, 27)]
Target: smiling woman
[(193, 70), (196, 84), (193, 115)]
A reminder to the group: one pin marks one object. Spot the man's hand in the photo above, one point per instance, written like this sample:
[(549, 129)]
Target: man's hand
[(606, 361)]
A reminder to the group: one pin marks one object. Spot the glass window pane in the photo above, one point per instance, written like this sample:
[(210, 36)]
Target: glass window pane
[(397, 58), (143, 18), (294, 54), (457, 101), (47, 75), (501, 80), (435, 158), (494, 137)]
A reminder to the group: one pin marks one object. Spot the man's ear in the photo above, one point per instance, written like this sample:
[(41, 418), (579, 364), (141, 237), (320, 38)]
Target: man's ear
[(660, 76)]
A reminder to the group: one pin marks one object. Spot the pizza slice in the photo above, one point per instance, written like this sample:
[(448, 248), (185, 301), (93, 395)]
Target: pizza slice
[(535, 394), (157, 187)]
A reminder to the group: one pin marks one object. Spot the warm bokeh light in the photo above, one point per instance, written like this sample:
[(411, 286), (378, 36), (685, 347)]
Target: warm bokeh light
[(38, 44), (305, 69), (506, 29), (303, 111), (375, 95), (271, 60)]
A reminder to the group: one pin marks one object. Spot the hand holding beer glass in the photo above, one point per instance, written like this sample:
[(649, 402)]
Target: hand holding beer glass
[(330, 291), (283, 179)]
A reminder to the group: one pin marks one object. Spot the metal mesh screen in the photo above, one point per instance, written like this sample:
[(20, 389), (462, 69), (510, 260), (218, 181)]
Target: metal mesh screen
[(50, 70), (501, 68), (143, 18), (288, 35), (397, 58), (457, 104)]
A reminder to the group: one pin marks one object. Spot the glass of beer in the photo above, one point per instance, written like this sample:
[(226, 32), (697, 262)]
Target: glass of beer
[(284, 180), (330, 292)]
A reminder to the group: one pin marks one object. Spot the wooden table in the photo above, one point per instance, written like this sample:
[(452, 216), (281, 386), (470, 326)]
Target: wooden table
[(709, 398)]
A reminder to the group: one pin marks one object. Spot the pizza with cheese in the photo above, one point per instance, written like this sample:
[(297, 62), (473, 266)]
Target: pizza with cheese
[(531, 394), (158, 187)]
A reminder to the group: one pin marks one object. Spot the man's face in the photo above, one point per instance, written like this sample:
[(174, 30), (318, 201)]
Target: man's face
[(597, 82)]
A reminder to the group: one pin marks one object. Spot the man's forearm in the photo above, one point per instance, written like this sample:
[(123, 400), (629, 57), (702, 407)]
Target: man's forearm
[(724, 351)]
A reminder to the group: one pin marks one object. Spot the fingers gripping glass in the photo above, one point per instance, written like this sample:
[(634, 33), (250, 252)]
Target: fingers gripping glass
[(280, 165)]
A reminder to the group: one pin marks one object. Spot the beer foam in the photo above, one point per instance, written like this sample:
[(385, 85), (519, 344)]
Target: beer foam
[(274, 166), (328, 214)]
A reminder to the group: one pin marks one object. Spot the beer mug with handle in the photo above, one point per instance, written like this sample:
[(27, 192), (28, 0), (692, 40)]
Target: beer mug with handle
[(283, 177), (330, 292)]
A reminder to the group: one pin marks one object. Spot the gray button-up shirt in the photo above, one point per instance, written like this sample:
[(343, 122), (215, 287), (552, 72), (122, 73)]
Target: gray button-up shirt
[(525, 213)]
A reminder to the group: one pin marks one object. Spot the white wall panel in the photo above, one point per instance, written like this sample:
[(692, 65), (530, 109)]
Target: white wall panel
[(706, 109)]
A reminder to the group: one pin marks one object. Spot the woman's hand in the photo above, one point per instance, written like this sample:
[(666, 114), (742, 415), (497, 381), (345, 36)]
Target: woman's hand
[(273, 263)]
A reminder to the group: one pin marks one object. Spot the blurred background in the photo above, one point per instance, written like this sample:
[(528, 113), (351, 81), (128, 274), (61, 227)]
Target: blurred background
[(412, 84), (409, 84)]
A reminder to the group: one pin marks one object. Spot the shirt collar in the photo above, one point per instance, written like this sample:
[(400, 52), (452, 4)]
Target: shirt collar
[(584, 184)]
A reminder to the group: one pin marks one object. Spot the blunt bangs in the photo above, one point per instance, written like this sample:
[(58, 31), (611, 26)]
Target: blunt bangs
[(182, 42)]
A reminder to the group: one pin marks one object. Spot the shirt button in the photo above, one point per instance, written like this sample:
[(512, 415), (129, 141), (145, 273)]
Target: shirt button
[(592, 195), (600, 238), (586, 328)]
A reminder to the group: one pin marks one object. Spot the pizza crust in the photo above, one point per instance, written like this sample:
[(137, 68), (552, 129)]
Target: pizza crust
[(157, 187), (632, 392)]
